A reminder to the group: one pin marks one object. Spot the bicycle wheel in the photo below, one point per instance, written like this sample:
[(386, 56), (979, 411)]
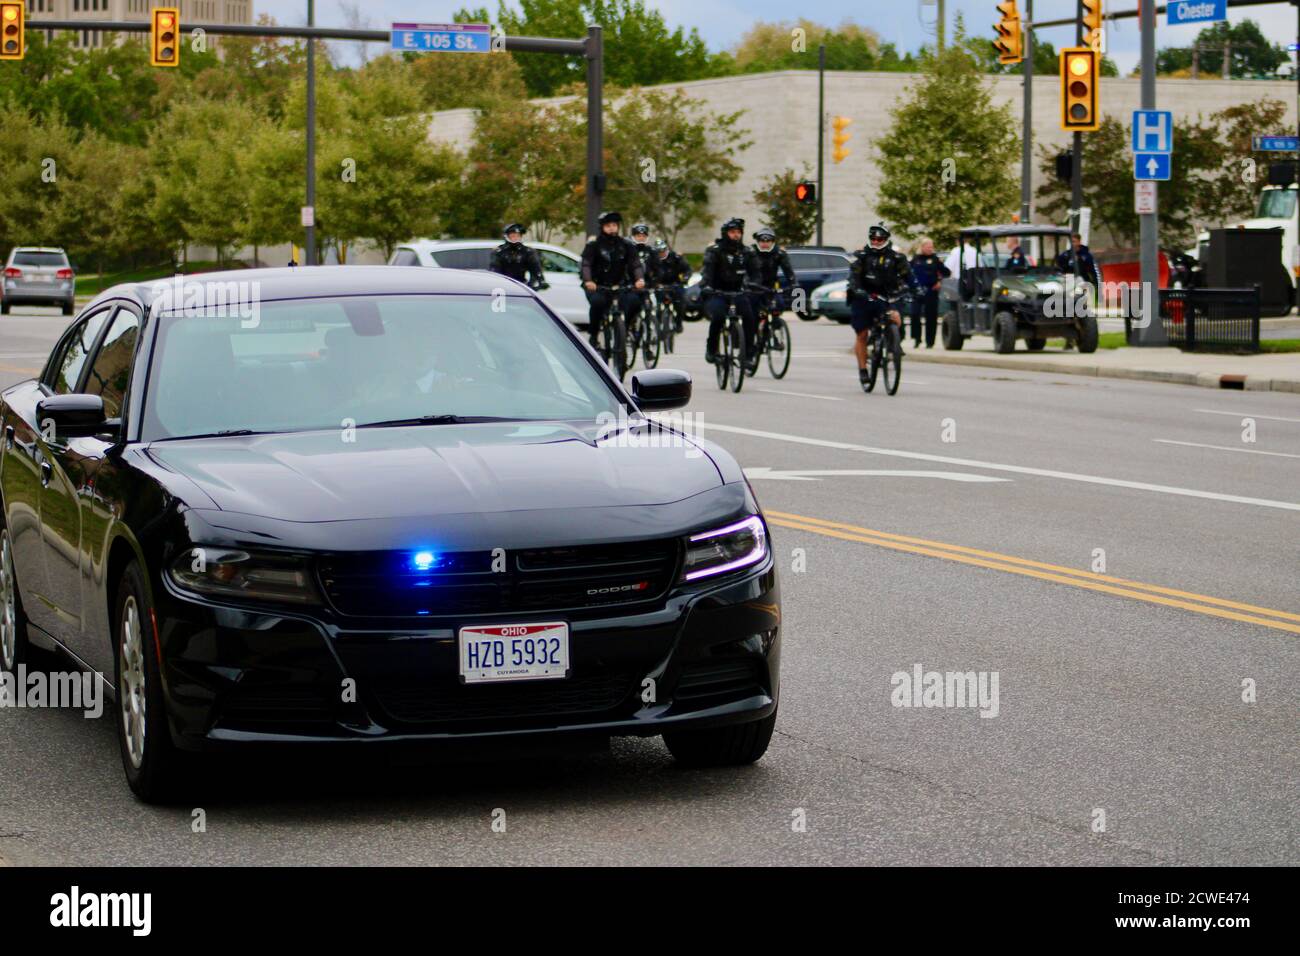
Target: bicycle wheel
[(873, 363), (737, 354), (632, 333), (722, 362), (650, 340), (778, 348), (667, 327), (893, 361), (617, 346)]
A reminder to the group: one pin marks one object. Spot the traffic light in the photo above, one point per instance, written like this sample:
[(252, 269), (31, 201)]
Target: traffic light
[(11, 31), (1008, 43), (164, 45), (839, 153), (1079, 74), (805, 192), (1093, 34), (1065, 166)]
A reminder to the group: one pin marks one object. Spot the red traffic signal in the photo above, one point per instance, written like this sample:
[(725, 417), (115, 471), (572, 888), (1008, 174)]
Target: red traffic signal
[(164, 37), (805, 193)]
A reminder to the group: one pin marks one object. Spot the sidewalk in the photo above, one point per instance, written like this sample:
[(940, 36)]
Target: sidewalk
[(1278, 372)]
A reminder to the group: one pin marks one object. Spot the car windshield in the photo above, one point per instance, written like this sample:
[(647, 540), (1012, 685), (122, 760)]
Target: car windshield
[(1277, 204), (304, 364)]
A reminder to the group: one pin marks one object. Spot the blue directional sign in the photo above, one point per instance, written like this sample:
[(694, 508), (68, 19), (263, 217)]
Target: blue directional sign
[(1275, 144), (1196, 11), (1152, 165), (444, 37), (1153, 131)]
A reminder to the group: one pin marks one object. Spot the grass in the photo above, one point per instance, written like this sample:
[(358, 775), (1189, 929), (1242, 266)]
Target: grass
[(1115, 340), (1106, 340), (93, 285)]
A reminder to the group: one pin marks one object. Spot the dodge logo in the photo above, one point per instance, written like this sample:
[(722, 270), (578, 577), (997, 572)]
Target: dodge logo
[(619, 589)]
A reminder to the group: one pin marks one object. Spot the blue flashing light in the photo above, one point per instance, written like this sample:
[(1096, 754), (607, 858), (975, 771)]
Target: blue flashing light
[(423, 560)]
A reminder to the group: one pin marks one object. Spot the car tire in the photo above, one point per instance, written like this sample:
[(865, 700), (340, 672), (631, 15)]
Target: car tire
[(730, 746), (4, 308), (1035, 345), (953, 340), (69, 307), (156, 771), (1004, 333), (13, 623), (1088, 334), (808, 316)]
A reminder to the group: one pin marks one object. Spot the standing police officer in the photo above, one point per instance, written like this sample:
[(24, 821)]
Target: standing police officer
[(729, 266), (878, 273), (609, 260), (514, 259), (927, 271)]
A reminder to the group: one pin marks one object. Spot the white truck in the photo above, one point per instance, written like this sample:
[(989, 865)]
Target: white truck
[(1276, 210)]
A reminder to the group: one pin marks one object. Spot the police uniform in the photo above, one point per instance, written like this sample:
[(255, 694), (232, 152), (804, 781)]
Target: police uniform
[(772, 265), (516, 260), (927, 270), (728, 266), (610, 260), (883, 273)]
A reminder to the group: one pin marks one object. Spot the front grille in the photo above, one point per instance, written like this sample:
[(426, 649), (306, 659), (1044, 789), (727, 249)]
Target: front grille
[(382, 584), (272, 706), (445, 702), (721, 678)]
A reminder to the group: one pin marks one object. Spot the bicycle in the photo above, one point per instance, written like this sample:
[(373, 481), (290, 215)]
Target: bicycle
[(772, 337), (668, 316), (731, 363), (886, 348), (651, 333), (613, 333)]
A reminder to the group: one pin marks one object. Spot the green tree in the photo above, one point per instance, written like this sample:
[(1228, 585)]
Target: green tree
[(948, 158), (792, 221), (1252, 54), (1234, 192), (792, 45)]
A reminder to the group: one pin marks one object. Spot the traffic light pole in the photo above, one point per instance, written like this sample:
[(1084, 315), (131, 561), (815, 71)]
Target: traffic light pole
[(1152, 330), (1076, 164), (309, 248), (1027, 137), (821, 134)]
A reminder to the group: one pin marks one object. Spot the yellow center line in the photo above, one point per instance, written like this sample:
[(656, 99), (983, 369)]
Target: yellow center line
[(1086, 580)]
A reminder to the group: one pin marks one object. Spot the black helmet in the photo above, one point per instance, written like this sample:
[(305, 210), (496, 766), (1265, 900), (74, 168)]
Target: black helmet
[(878, 231), (513, 227), (610, 216), (659, 245), (765, 235), (733, 223), (640, 229)]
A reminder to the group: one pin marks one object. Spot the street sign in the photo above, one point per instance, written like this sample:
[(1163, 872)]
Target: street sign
[(442, 37), (308, 216), (1275, 144), (1144, 198), (1153, 131), (1197, 11), (1151, 165)]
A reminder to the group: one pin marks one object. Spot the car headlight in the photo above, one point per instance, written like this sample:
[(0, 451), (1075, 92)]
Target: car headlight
[(225, 572), (839, 295), (736, 546), (1014, 295)]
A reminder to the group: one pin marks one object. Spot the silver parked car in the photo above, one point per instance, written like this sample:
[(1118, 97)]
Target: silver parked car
[(35, 275), (562, 269)]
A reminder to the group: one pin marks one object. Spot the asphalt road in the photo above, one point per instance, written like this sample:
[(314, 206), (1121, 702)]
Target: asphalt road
[(1119, 691)]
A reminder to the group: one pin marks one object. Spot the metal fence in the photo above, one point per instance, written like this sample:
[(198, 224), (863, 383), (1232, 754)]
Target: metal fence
[(1212, 318)]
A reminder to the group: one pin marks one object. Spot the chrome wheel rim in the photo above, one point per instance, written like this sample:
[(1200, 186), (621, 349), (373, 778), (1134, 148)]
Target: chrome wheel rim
[(131, 682), (9, 608)]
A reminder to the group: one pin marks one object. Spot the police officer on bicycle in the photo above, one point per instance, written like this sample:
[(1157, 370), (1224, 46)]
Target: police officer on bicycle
[(610, 261), (671, 272), (514, 259), (729, 266), (878, 273), (645, 256), (774, 263)]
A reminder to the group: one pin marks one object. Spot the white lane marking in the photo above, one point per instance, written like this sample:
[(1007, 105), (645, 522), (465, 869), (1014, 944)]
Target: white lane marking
[(1267, 418), (781, 391), (803, 474), (994, 466), (1248, 451)]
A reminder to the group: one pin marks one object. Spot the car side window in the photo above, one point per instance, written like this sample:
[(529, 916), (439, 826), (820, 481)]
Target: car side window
[(554, 262), (405, 257), (463, 258), (111, 369), (803, 260), (75, 348)]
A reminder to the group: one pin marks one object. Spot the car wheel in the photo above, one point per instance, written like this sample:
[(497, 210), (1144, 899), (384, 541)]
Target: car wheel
[(4, 308), (1088, 334), (69, 307), (155, 770), (1004, 333), (1035, 345), (13, 625), (808, 316), (953, 340), (730, 746)]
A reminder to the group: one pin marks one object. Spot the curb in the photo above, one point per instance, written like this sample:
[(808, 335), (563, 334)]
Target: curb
[(1251, 383)]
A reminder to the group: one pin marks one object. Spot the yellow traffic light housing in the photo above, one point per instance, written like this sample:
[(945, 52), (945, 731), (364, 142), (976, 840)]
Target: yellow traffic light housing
[(164, 37), (839, 153), (12, 38), (1080, 70), (1009, 42), (1093, 34)]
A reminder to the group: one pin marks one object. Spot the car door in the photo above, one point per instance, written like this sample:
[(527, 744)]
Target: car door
[(62, 483)]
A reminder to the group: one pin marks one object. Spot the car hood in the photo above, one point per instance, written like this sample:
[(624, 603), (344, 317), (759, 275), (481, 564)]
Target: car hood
[(427, 471)]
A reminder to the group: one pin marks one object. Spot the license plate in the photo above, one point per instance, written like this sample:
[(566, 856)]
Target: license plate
[(43, 278), (509, 652)]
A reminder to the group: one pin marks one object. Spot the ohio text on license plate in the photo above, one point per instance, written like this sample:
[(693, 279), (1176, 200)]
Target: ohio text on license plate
[(505, 652)]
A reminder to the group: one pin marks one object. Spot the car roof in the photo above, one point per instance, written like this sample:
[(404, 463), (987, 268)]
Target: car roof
[(839, 249), (324, 281), (37, 249), (431, 244), (1017, 229)]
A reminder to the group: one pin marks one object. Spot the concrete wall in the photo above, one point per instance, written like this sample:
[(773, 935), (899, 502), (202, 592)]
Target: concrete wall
[(781, 119)]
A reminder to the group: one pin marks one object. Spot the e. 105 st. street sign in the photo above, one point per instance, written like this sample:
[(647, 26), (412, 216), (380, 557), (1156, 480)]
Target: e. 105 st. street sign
[(442, 37)]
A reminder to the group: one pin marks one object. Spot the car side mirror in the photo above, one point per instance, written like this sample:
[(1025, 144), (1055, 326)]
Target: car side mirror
[(72, 415), (661, 389)]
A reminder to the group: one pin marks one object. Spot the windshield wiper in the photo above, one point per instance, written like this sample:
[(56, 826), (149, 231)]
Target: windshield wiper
[(225, 433), (437, 420)]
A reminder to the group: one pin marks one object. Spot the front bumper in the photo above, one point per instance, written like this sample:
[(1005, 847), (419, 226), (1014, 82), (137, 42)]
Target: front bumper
[(706, 656)]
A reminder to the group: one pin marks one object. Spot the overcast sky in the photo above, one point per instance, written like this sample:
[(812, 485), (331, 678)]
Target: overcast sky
[(907, 23)]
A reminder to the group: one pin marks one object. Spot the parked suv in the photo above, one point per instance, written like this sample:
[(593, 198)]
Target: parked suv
[(38, 276), (563, 269)]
